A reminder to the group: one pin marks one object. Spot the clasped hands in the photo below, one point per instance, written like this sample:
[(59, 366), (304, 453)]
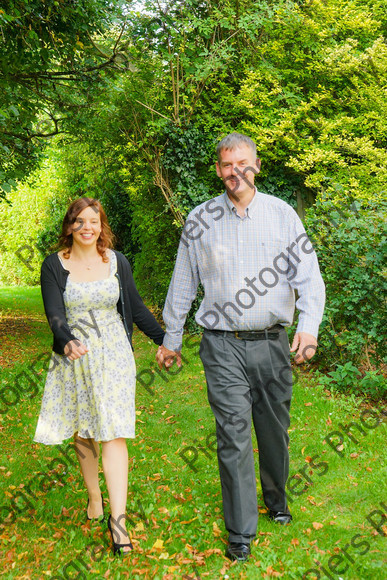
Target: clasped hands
[(166, 357)]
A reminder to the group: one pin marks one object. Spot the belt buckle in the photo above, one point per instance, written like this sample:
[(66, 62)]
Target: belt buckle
[(236, 333)]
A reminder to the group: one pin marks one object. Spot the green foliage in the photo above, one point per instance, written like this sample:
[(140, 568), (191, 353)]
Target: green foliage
[(187, 157), (20, 225), (154, 234), (51, 68), (374, 385), (346, 379), (82, 172), (351, 246), (147, 101)]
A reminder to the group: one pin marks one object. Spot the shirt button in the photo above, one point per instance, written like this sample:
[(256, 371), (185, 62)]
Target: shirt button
[(241, 261)]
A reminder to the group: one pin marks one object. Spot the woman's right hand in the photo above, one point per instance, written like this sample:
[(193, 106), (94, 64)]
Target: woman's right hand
[(75, 349)]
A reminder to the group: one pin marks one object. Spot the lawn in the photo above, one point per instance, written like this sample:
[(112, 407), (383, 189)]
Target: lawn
[(174, 504)]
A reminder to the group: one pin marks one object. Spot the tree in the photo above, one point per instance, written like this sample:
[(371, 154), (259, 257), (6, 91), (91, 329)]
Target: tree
[(51, 68)]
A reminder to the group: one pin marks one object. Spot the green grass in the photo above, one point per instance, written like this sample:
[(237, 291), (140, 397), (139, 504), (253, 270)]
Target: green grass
[(176, 512)]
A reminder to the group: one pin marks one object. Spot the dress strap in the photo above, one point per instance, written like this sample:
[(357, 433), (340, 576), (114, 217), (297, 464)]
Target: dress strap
[(61, 261), (113, 263)]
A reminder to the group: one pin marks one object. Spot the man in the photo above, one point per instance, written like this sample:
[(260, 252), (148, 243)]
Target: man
[(250, 252)]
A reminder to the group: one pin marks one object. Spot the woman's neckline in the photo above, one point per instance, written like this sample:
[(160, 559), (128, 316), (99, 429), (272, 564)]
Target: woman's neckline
[(86, 281)]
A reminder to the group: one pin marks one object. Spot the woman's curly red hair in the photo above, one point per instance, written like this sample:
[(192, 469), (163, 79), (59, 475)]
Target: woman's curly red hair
[(106, 237)]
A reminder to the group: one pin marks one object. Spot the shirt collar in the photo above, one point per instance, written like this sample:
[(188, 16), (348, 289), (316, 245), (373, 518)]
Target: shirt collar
[(250, 209)]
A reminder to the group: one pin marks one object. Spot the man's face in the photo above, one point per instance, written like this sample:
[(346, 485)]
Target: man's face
[(237, 169)]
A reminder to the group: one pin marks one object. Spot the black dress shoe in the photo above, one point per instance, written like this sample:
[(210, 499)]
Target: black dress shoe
[(117, 548), (280, 517), (238, 551)]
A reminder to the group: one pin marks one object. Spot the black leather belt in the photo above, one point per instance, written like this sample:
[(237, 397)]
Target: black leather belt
[(271, 333)]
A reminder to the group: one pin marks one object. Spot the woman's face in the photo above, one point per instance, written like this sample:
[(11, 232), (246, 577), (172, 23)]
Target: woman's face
[(87, 227)]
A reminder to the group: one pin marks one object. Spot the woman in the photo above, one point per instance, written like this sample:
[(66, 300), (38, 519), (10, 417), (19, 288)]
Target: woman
[(91, 302)]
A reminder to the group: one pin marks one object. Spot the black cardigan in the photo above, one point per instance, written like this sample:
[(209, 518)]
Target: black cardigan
[(53, 280)]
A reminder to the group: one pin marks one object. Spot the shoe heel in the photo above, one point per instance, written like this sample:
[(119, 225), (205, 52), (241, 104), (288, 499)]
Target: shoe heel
[(117, 548)]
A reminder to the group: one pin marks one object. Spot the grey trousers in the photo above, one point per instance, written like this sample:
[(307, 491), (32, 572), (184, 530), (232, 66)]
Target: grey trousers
[(249, 379)]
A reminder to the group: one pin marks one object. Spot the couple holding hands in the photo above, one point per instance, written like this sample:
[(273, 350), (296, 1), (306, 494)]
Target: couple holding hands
[(91, 303)]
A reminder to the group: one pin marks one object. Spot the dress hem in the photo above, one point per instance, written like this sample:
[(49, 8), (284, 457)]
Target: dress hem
[(65, 438)]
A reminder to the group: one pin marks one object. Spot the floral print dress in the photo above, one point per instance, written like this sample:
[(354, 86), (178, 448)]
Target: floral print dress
[(95, 394)]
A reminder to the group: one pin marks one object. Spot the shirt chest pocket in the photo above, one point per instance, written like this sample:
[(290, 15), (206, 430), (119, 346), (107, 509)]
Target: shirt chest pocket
[(272, 253)]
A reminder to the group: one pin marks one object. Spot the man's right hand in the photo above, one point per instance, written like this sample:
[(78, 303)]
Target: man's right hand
[(166, 357)]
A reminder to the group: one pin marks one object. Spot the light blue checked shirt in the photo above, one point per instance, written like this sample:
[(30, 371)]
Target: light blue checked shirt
[(249, 267)]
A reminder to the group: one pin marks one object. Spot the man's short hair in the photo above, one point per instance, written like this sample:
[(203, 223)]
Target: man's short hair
[(234, 140)]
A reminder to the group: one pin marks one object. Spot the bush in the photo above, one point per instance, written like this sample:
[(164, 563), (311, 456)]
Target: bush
[(22, 222), (346, 378), (350, 242)]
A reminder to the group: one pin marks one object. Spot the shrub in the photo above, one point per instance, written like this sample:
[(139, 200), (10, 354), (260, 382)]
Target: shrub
[(21, 223), (351, 244), (346, 378)]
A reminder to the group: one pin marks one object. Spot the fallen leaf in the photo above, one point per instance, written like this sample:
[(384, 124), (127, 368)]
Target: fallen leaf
[(163, 510), (295, 542), (213, 551), (271, 572), (354, 455), (158, 545), (308, 404), (189, 521), (216, 529), (139, 527), (317, 525)]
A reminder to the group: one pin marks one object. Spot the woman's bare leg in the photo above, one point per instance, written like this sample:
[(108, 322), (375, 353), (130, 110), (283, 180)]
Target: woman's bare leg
[(87, 451), (115, 467)]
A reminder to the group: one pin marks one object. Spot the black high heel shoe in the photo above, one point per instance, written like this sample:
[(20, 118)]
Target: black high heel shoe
[(100, 518), (117, 548)]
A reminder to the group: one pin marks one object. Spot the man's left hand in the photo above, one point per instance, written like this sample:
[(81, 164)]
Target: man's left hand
[(166, 358), (305, 344)]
